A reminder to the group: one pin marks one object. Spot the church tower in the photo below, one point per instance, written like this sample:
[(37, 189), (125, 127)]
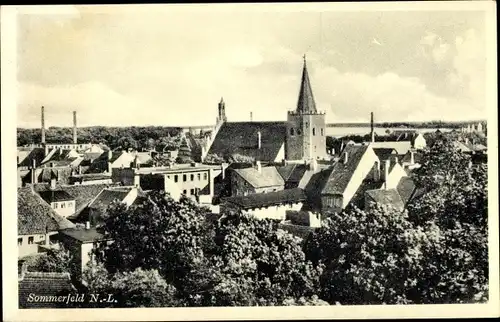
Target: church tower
[(306, 127), (221, 115)]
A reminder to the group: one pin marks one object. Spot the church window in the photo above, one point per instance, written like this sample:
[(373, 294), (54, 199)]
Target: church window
[(314, 131), (292, 131)]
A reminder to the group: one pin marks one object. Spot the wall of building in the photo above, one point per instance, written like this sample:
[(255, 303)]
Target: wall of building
[(192, 182), (64, 208), (420, 142), (27, 247), (241, 187), (124, 176), (332, 203), (274, 212), (363, 169), (306, 136), (395, 176)]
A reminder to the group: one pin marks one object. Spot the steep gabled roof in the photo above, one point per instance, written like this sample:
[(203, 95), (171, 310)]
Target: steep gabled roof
[(35, 216), (406, 188), (44, 284), (341, 173), (267, 177), (258, 200), (292, 173), (84, 235), (107, 196), (37, 154), (388, 197), (55, 196), (384, 153), (400, 146), (241, 138), (306, 102)]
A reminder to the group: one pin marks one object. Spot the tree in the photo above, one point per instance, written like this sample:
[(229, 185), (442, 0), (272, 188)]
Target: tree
[(370, 257), (456, 201), (54, 260), (174, 232), (214, 158), (184, 155), (240, 158), (257, 264)]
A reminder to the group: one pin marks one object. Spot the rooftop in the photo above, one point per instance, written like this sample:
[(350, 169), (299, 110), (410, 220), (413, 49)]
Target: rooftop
[(55, 196), (266, 177), (388, 197), (259, 200), (402, 147), (83, 235), (43, 284), (35, 216)]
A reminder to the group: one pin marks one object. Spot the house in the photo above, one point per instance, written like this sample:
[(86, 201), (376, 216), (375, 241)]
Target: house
[(62, 202), (33, 286), (109, 160), (345, 176), (193, 180), (292, 174), (29, 157), (90, 178), (94, 211), (416, 138), (257, 179), (401, 147), (272, 205), (80, 242), (36, 222), (62, 157)]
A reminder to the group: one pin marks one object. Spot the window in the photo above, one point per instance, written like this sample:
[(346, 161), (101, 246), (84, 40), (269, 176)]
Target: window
[(184, 191), (192, 177), (30, 240), (168, 177), (192, 191), (298, 132), (19, 241), (55, 205), (314, 131), (292, 132), (322, 132), (63, 205), (184, 177), (176, 178), (205, 176), (40, 237), (199, 176)]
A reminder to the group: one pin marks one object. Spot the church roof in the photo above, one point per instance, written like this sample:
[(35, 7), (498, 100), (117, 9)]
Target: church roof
[(241, 138), (306, 102)]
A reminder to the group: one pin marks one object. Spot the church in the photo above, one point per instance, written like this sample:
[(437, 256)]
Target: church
[(301, 138)]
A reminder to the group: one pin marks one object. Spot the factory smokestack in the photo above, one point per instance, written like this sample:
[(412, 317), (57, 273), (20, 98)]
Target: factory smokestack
[(43, 125), (74, 128), (372, 130)]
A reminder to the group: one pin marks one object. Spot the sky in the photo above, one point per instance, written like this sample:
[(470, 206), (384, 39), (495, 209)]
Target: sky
[(167, 66)]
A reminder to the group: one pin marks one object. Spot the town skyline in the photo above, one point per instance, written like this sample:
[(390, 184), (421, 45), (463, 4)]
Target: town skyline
[(434, 70)]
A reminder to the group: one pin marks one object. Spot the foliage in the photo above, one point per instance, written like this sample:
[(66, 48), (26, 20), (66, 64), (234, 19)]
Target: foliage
[(240, 158), (214, 158), (370, 257), (184, 155), (54, 260)]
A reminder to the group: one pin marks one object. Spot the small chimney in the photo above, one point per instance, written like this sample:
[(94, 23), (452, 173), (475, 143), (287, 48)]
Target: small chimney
[(372, 128), (34, 164), (87, 225), (110, 154), (466, 140), (346, 157), (258, 166), (75, 140), (43, 125), (376, 174), (47, 236), (412, 157), (259, 140), (79, 169)]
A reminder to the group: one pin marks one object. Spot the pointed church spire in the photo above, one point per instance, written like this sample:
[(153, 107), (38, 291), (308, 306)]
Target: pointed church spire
[(306, 102)]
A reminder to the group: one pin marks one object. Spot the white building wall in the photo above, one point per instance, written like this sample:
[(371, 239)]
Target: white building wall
[(394, 176), (274, 212), (64, 208), (364, 167), (420, 142), (281, 154)]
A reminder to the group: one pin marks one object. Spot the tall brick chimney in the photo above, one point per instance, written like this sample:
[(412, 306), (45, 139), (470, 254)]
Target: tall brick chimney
[(74, 128), (372, 130), (43, 125)]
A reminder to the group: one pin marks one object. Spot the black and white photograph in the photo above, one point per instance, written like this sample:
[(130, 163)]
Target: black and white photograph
[(317, 156)]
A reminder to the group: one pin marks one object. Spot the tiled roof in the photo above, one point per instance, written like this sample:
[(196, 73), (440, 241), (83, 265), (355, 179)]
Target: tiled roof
[(35, 216), (107, 196), (267, 177), (83, 235), (384, 153), (341, 173), (55, 196), (306, 102), (44, 284), (257, 200), (292, 173), (389, 197), (400, 146), (37, 154), (406, 188), (358, 199), (241, 138)]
